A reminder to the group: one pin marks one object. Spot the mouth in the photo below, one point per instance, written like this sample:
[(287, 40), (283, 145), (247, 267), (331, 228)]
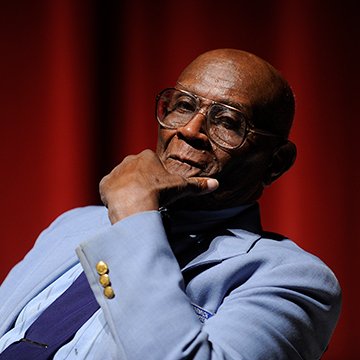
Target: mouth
[(186, 161), (183, 166)]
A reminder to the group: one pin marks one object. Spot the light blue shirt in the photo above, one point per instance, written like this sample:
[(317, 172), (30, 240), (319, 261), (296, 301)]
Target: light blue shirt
[(37, 305), (86, 337)]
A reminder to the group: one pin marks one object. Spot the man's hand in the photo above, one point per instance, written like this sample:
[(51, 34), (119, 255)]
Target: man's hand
[(141, 183)]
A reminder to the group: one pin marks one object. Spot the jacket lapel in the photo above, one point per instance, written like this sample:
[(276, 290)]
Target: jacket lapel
[(224, 247)]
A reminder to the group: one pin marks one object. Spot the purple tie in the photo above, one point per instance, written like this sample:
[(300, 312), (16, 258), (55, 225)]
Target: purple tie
[(57, 325)]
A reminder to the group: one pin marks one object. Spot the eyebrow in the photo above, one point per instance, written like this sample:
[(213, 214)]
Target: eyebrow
[(234, 104)]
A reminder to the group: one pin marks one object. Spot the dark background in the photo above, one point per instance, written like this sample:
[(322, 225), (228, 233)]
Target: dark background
[(77, 86)]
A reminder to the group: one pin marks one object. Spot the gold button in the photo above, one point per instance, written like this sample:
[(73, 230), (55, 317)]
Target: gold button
[(104, 280), (109, 292), (101, 268)]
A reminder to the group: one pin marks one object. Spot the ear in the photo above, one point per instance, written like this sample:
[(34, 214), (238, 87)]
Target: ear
[(282, 160)]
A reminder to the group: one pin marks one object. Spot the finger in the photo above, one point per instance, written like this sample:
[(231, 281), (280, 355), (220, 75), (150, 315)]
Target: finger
[(201, 185)]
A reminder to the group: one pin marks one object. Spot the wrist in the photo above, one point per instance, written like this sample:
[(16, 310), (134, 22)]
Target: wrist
[(124, 206)]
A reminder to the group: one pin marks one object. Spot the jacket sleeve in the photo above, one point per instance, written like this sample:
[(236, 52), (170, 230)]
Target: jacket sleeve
[(151, 316)]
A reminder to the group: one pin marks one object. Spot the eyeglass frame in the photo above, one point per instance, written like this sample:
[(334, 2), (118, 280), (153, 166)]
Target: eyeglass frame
[(249, 128)]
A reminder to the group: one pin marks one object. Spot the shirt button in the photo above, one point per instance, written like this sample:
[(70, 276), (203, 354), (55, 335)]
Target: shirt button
[(109, 292), (104, 280), (102, 268)]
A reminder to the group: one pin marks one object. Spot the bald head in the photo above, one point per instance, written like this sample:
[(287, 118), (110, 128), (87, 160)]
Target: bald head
[(265, 92)]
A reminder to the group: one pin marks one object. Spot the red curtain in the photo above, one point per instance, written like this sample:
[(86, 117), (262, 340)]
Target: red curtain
[(77, 89)]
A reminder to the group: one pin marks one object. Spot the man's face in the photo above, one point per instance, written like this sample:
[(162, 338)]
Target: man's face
[(189, 152)]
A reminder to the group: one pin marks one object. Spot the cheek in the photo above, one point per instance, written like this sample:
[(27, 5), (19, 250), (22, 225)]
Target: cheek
[(236, 165), (246, 170), (221, 157), (164, 137)]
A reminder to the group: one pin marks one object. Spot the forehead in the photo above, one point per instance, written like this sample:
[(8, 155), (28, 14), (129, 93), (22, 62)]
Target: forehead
[(234, 80), (216, 80)]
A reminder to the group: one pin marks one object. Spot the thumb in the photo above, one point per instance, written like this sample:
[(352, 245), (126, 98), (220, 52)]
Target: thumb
[(189, 187), (202, 185)]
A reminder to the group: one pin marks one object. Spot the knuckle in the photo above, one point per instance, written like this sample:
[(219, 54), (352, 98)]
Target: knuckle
[(103, 182), (147, 152), (126, 160)]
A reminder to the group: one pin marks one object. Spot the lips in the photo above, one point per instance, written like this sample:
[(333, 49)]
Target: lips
[(183, 166), (187, 161)]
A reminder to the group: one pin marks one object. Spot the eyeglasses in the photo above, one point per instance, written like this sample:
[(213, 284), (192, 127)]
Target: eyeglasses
[(225, 125)]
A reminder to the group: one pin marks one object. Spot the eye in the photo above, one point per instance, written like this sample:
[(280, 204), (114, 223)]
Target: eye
[(183, 104), (227, 121)]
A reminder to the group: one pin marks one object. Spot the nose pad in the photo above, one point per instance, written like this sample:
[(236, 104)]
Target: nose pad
[(202, 111), (194, 129)]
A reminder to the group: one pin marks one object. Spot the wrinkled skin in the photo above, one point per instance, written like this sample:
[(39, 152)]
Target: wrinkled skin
[(177, 175)]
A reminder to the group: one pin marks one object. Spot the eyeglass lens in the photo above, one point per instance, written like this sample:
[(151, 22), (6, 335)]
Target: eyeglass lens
[(225, 126)]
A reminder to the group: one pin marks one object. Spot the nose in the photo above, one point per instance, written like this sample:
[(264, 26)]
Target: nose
[(194, 129)]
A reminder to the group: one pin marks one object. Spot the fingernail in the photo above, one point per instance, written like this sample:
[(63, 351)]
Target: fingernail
[(212, 184)]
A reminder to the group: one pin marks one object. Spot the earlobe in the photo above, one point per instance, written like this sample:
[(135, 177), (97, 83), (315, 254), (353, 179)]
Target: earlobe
[(282, 160)]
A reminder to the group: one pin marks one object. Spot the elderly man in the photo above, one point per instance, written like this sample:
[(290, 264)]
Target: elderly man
[(177, 265)]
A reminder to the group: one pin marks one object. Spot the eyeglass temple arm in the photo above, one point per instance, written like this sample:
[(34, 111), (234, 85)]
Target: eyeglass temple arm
[(263, 132)]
